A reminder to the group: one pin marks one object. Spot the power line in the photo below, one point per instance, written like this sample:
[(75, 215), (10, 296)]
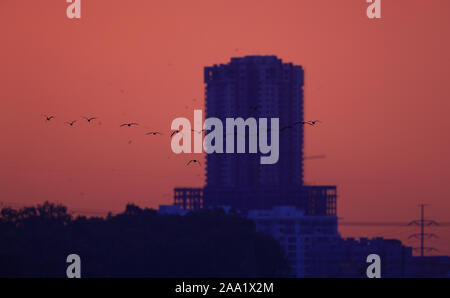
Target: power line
[(374, 223), (315, 157), (387, 224), (341, 222)]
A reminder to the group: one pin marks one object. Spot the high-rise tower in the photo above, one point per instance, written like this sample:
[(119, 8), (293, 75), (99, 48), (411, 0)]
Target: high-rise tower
[(258, 87)]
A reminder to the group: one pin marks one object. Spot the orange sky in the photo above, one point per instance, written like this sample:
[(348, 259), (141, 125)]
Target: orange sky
[(380, 86)]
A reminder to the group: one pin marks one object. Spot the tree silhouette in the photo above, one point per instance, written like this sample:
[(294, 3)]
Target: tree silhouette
[(136, 243)]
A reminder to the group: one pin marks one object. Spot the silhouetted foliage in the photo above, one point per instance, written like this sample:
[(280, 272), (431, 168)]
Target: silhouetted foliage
[(35, 242)]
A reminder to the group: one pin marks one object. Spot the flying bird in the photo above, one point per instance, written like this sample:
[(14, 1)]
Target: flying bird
[(154, 133), (89, 119), (175, 132), (313, 123), (48, 118), (302, 122), (199, 131), (71, 123), (194, 161), (129, 124)]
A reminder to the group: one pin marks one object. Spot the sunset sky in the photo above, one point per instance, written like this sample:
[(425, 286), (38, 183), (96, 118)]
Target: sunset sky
[(381, 88)]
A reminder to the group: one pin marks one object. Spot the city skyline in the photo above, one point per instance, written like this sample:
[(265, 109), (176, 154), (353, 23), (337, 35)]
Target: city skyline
[(380, 89)]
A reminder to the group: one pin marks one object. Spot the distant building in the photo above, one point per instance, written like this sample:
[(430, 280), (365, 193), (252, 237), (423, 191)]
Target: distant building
[(347, 258), (297, 233), (313, 200), (258, 87), (431, 267), (314, 247), (171, 210), (188, 198)]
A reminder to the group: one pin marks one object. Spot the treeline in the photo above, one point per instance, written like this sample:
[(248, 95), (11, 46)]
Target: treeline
[(35, 242)]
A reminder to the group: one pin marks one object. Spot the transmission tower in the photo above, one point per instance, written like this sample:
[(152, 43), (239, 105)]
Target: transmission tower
[(422, 222)]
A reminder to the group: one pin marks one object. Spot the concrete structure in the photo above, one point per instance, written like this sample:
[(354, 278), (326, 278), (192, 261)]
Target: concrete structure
[(172, 210), (297, 233), (261, 87), (314, 247), (347, 258), (431, 267), (188, 198), (314, 200), (258, 87)]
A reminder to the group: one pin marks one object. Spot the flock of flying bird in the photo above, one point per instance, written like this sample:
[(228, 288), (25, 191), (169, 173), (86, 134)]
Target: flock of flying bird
[(128, 124), (173, 132)]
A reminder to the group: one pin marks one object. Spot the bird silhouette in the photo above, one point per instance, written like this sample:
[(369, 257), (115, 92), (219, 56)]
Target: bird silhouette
[(154, 133), (175, 132), (48, 118), (313, 123), (302, 122), (198, 131), (71, 123), (89, 119), (129, 124), (194, 161)]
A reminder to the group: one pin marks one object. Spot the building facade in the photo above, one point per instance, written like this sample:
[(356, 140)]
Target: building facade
[(314, 248), (260, 87), (297, 233)]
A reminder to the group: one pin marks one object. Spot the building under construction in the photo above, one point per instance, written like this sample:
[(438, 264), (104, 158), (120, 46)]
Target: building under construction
[(258, 87)]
